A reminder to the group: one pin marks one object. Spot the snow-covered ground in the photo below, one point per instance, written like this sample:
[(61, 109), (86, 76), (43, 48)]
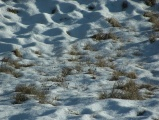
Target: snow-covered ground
[(49, 49)]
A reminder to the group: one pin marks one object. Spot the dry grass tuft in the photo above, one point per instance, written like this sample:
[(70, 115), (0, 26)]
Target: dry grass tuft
[(148, 87), (114, 22), (117, 74), (19, 98), (8, 70), (104, 36), (24, 89), (56, 79), (101, 63), (17, 53), (89, 46), (129, 90), (131, 75), (75, 51), (154, 18)]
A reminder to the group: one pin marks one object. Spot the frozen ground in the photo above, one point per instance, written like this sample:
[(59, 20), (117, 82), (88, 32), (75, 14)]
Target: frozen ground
[(57, 55)]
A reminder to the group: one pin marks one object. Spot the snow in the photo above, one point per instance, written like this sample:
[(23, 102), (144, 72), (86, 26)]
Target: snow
[(46, 31)]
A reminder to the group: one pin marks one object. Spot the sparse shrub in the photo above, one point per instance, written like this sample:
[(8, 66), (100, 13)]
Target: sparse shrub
[(129, 90), (150, 2), (104, 36), (114, 22), (20, 98), (15, 11), (24, 89)]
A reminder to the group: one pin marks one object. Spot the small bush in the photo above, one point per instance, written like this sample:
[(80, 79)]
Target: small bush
[(20, 98), (114, 22)]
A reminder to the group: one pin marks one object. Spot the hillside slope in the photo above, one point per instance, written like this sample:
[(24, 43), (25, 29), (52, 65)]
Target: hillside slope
[(78, 60)]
